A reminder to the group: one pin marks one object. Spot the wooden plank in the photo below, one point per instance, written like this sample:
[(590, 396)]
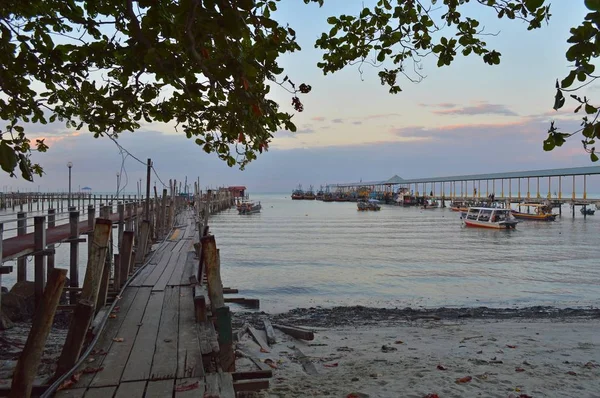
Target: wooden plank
[(213, 385), (207, 337), (179, 245), (140, 361), (134, 389), (190, 388), (29, 359), (251, 385), (143, 274), (158, 270), (258, 338), (269, 331), (189, 356), (161, 283), (110, 331), (226, 382), (296, 332), (164, 363), (307, 365), (191, 265), (175, 279), (103, 392), (160, 389), (255, 374), (71, 393), (118, 353)]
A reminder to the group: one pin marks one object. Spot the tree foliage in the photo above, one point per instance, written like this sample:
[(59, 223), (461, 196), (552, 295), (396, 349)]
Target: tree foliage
[(111, 65), (208, 65)]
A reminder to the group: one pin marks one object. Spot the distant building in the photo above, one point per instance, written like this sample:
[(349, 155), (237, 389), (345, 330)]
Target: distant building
[(238, 191)]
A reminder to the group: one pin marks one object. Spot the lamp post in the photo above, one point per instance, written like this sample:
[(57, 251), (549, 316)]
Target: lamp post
[(70, 166)]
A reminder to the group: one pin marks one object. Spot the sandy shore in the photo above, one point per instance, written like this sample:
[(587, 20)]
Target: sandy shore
[(493, 357)]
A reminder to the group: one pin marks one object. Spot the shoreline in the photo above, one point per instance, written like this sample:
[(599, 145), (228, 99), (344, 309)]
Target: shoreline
[(380, 353), (350, 315)]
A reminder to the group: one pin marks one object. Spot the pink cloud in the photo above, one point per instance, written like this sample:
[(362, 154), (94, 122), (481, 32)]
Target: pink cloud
[(319, 118)]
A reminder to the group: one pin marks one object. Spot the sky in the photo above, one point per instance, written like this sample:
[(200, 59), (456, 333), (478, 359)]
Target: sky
[(468, 118)]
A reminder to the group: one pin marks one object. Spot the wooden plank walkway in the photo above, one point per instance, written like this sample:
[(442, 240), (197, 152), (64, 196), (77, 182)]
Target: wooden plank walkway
[(154, 347)]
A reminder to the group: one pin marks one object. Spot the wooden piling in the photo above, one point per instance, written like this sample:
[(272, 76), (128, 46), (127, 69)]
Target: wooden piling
[(211, 261), (50, 260), (125, 252), (29, 359), (96, 261), (21, 261), (39, 239), (74, 254)]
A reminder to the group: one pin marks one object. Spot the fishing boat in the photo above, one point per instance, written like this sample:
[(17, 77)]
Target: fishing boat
[(328, 197), (459, 206), (490, 217), (430, 204), (320, 193), (249, 208), (535, 211), (587, 211), (310, 194), (370, 205), (298, 193)]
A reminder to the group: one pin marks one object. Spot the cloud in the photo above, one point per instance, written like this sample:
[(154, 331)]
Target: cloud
[(440, 105), (479, 109), (337, 121), (379, 116), (357, 122), (319, 118)]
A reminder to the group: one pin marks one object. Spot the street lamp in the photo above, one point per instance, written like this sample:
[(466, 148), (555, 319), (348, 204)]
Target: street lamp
[(69, 165)]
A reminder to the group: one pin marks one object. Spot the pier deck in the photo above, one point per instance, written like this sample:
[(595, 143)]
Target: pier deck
[(152, 345)]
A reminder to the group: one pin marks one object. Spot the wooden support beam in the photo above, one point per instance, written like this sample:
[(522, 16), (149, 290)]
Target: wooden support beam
[(78, 328), (254, 303), (143, 242), (39, 238), (250, 385), (255, 374), (29, 359), (225, 338), (96, 261), (210, 256), (126, 254), (73, 254), (296, 332)]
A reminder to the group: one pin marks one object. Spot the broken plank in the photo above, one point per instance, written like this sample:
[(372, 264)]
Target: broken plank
[(189, 356), (140, 361), (250, 385), (255, 374), (164, 363), (258, 338), (269, 331), (161, 283), (118, 353), (134, 389), (307, 365), (208, 338), (160, 389), (252, 303), (296, 332), (190, 388), (175, 279), (101, 392)]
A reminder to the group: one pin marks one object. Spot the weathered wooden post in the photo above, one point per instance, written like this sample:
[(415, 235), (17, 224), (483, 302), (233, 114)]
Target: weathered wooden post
[(29, 359), (74, 254), (103, 291), (210, 257), (121, 211), (126, 252), (163, 212), (39, 239), (21, 261), (51, 224)]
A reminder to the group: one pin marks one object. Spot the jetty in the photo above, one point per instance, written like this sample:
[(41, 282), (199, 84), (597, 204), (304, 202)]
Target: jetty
[(533, 186), (150, 318)]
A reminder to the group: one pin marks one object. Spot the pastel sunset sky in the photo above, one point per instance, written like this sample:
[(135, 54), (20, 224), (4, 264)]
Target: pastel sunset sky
[(464, 119)]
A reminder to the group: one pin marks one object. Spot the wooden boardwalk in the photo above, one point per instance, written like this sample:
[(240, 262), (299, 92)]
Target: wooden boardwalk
[(152, 345)]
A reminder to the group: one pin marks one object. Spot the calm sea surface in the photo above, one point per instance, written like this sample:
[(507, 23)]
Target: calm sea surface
[(311, 253)]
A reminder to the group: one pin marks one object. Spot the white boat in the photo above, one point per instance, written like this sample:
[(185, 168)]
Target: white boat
[(490, 217)]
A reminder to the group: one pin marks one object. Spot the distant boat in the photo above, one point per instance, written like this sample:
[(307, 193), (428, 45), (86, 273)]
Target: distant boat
[(490, 217), (249, 208), (298, 193), (587, 211), (310, 194), (320, 194), (540, 212)]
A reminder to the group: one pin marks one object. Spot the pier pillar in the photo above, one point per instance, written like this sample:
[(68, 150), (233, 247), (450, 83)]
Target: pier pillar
[(39, 239), (528, 195), (549, 188), (21, 261), (51, 224), (73, 255), (584, 188), (560, 187), (573, 195), (502, 195), (538, 188), (519, 187)]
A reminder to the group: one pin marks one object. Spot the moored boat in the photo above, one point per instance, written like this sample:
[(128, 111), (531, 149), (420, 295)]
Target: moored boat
[(540, 212), (310, 194), (298, 193), (587, 211), (490, 217), (371, 204), (249, 208)]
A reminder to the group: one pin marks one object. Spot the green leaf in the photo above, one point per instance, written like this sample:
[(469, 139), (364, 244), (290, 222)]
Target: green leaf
[(549, 144), (559, 100), (593, 157), (589, 109), (593, 5), (568, 81), (8, 159), (533, 5)]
